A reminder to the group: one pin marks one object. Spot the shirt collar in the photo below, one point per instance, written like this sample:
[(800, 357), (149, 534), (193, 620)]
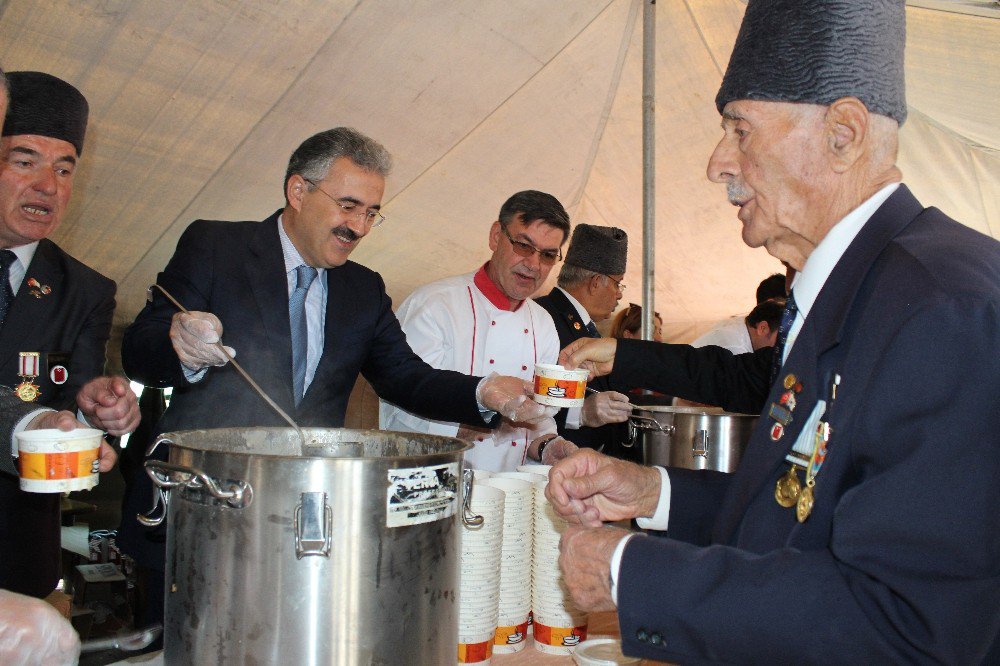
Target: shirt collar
[(810, 280), (492, 292), (580, 310), (25, 253), (292, 257)]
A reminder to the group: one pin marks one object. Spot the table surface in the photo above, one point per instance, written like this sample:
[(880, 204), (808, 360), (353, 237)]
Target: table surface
[(598, 625)]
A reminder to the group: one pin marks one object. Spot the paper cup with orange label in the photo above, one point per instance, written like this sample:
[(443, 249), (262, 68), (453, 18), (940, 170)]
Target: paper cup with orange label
[(559, 387), (56, 461)]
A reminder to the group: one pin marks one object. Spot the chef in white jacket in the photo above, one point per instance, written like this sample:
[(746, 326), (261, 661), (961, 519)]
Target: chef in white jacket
[(485, 322)]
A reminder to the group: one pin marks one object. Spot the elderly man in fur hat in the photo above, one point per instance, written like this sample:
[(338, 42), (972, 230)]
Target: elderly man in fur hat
[(861, 524), (55, 314), (589, 287)]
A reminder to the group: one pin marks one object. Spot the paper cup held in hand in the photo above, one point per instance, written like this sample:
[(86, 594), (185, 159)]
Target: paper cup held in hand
[(56, 461), (556, 386)]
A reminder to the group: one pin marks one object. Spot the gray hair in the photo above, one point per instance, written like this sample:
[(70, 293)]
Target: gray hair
[(572, 276), (313, 157)]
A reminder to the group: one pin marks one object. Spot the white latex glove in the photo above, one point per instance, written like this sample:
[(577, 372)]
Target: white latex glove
[(194, 336), (510, 397), (606, 407), (556, 450), (34, 633)]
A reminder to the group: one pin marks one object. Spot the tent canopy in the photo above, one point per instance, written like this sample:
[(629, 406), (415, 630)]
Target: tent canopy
[(196, 106)]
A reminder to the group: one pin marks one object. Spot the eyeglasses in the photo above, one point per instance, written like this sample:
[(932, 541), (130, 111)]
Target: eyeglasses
[(619, 284), (371, 217), (522, 249)]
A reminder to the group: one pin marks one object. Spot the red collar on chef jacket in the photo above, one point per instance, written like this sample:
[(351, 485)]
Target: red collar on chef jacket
[(492, 292)]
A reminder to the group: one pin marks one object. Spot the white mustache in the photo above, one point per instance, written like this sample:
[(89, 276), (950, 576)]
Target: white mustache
[(737, 193)]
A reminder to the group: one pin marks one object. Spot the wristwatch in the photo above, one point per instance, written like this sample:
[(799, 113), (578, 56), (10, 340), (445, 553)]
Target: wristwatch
[(543, 444)]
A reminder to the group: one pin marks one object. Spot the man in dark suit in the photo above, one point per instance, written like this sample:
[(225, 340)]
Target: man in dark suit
[(588, 290), (304, 320), (55, 312), (841, 537)]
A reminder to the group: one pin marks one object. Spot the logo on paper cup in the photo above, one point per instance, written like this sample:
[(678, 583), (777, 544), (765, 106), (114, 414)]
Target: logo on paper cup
[(556, 391)]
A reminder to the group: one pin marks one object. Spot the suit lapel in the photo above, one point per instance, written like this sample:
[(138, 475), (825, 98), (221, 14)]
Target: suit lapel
[(266, 277), (29, 316), (814, 354)]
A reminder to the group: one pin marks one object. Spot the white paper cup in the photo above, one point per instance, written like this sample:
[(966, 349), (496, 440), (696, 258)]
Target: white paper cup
[(559, 387), (55, 461)]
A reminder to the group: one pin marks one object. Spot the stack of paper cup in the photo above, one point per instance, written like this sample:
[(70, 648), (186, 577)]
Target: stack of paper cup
[(479, 589), (558, 624), (535, 469), (515, 565)]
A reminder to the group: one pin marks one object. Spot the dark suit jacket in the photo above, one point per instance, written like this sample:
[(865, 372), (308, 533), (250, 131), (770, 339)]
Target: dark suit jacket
[(607, 438), (69, 326), (899, 561), (236, 271)]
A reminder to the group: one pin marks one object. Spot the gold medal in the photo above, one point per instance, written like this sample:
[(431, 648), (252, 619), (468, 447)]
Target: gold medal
[(788, 487), (27, 391), (805, 504)]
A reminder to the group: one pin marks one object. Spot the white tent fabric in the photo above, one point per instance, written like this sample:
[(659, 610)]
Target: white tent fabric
[(196, 105)]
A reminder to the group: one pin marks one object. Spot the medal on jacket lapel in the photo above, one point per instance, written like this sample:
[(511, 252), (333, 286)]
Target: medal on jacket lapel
[(804, 505), (27, 390), (788, 487)]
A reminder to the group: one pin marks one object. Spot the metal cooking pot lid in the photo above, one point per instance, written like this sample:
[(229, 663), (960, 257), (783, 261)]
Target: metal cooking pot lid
[(700, 411)]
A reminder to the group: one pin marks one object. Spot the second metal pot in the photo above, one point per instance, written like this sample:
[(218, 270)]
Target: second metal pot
[(691, 437)]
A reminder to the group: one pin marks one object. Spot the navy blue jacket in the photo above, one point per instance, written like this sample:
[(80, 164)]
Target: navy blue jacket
[(899, 561)]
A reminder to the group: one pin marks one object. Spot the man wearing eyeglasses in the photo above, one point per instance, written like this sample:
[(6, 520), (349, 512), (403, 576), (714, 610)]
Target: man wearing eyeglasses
[(485, 321), (589, 288), (304, 320)]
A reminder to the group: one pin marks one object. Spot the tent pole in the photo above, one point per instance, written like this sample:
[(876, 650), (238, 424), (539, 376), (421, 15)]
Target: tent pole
[(648, 164)]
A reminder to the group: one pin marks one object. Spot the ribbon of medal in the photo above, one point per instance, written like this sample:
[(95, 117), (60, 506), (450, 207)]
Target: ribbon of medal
[(27, 390)]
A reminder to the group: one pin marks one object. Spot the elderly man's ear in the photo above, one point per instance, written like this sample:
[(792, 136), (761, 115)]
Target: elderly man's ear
[(847, 122)]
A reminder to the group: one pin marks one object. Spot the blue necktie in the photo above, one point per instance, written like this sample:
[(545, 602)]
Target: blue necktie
[(304, 275), (6, 293), (787, 319), (592, 329)]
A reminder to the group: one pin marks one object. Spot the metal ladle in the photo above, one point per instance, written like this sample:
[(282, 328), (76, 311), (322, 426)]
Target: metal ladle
[(127, 641), (243, 372)]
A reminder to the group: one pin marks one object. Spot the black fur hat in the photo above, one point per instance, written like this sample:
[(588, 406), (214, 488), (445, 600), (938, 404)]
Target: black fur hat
[(817, 51), (599, 249), (47, 106)]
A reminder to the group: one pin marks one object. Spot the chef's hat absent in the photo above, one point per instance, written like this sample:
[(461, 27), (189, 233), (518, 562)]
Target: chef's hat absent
[(817, 51), (44, 105), (599, 249)]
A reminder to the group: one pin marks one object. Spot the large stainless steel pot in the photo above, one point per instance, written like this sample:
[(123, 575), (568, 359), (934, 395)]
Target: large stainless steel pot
[(691, 437), (344, 550)]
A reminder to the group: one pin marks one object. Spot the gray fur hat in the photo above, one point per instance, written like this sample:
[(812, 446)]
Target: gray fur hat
[(45, 105), (817, 51), (599, 249)]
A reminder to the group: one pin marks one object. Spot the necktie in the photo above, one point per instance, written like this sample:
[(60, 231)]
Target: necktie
[(6, 293), (592, 329), (304, 275), (787, 319)]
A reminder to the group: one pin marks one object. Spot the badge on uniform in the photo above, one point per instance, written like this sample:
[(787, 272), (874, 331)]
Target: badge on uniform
[(57, 366), (27, 390), (576, 325), (36, 289)]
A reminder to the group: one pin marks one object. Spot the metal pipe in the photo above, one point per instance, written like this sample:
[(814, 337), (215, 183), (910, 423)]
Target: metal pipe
[(648, 164)]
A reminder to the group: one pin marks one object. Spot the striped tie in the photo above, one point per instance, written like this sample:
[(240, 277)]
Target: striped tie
[(787, 319), (304, 275)]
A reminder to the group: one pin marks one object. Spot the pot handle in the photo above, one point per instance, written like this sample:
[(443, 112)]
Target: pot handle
[(469, 519), (160, 496), (313, 525), (646, 423), (168, 475)]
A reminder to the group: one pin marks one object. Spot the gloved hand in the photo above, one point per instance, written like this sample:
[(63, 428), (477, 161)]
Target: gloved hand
[(603, 408), (510, 397), (33, 632), (556, 450), (194, 336)]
